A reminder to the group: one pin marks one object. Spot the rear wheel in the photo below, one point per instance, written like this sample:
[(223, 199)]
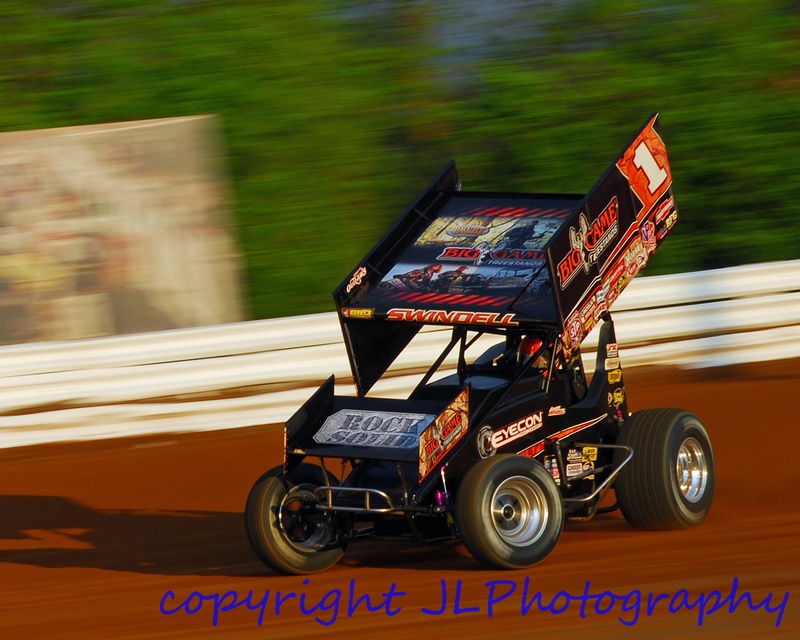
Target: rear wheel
[(669, 482), (509, 512), (285, 529)]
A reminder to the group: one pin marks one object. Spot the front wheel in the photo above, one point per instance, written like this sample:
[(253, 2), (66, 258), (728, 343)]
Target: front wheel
[(669, 482), (284, 528), (509, 512)]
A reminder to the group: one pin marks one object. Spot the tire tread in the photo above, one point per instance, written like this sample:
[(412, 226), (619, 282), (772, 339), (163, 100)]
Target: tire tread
[(643, 488)]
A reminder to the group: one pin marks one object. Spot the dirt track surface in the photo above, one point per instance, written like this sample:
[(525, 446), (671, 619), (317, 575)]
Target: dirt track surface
[(95, 536)]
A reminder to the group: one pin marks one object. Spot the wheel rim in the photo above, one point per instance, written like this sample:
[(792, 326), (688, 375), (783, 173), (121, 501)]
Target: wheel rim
[(691, 468), (519, 511), (296, 517)]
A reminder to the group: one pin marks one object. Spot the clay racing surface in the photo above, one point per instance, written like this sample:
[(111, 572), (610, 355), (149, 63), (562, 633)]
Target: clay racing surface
[(144, 538)]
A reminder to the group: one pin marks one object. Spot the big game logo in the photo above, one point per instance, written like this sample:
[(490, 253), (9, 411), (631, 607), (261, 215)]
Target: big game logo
[(589, 241), (448, 428), (497, 257)]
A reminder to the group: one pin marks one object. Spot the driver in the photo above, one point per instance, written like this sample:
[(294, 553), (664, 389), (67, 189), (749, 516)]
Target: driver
[(519, 349), (528, 347)]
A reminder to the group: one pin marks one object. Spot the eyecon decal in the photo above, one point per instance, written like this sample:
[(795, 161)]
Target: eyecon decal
[(517, 430)]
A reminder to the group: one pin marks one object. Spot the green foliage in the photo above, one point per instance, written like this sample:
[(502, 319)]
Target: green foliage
[(336, 114)]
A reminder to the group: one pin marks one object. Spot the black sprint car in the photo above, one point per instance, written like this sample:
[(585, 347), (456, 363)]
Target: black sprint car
[(504, 437)]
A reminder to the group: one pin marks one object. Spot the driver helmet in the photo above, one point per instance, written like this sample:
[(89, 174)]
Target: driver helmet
[(528, 347)]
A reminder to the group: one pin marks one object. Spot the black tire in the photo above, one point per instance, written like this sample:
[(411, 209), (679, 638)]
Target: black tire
[(285, 530), (669, 482), (509, 512)]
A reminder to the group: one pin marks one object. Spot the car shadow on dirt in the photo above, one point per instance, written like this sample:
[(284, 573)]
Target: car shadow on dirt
[(53, 531)]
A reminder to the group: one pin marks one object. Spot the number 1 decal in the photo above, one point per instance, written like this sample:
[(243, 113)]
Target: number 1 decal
[(646, 167), (644, 159)]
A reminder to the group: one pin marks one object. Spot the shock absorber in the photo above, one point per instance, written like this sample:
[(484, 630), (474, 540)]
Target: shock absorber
[(443, 496), (443, 499)]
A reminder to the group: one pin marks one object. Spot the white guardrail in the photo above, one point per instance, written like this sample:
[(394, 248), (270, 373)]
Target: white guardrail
[(260, 372)]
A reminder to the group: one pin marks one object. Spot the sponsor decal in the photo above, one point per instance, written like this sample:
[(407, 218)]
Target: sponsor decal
[(625, 268), (573, 455), (438, 316), (585, 316), (373, 428), (517, 430), (613, 292), (633, 260), (671, 220), (484, 442), (357, 278), (558, 410), (612, 351), (364, 314), (515, 256), (602, 305), (617, 397), (551, 465), (574, 469), (589, 241), (588, 313), (588, 466), (648, 231), (664, 209), (617, 273), (575, 329), (533, 451), (589, 454), (460, 254), (495, 257), (467, 231), (614, 376), (447, 429), (636, 255), (580, 323), (612, 363)]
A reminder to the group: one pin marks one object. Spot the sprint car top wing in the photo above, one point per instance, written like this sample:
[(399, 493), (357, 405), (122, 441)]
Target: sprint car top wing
[(490, 260)]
